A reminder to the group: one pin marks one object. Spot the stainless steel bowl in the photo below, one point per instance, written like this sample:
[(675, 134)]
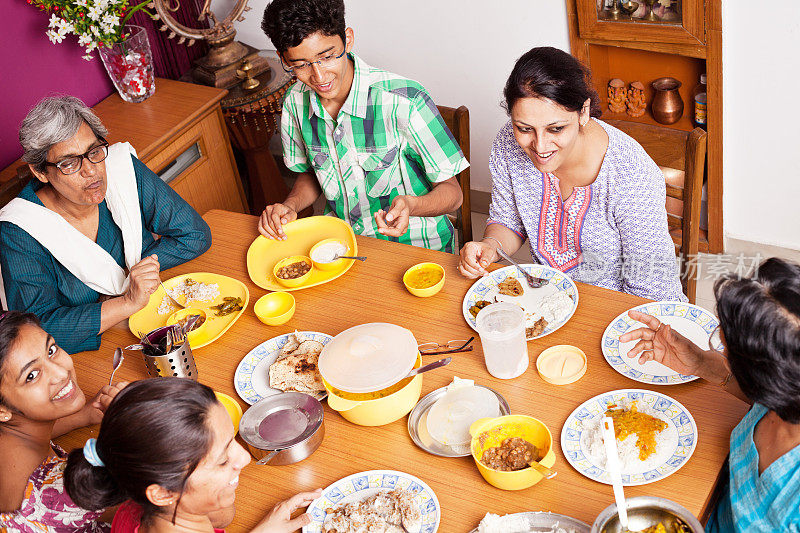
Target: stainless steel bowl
[(283, 429), (643, 512)]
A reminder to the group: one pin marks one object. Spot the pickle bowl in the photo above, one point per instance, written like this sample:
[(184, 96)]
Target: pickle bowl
[(275, 308), (292, 282)]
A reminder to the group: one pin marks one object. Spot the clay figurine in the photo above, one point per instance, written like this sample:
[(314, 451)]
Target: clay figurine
[(616, 95), (637, 103)]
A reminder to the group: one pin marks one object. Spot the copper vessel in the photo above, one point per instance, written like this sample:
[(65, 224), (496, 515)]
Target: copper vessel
[(667, 106)]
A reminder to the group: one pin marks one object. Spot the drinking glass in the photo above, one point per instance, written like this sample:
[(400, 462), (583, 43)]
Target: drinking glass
[(501, 327)]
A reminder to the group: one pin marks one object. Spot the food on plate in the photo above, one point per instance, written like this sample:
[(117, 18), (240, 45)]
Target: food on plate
[(192, 291), (294, 270), (328, 252), (185, 320), (385, 512), (476, 308), (296, 368), (515, 523), (677, 525), (543, 306), (230, 304), (451, 416), (536, 329), (424, 277), (510, 287), (514, 453), (632, 422), (645, 439)]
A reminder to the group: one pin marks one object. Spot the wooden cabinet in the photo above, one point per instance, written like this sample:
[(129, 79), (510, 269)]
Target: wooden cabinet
[(684, 42), (180, 134)]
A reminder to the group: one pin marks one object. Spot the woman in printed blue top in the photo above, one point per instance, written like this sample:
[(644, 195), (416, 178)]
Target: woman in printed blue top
[(760, 329), (77, 245)]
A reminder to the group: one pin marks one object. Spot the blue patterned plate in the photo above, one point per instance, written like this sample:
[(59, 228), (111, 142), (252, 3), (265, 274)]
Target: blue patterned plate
[(680, 419), (483, 285), (363, 485), (691, 321), (251, 379)]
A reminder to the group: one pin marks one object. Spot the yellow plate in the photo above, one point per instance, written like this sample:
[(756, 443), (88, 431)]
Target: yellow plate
[(148, 318), (301, 235)]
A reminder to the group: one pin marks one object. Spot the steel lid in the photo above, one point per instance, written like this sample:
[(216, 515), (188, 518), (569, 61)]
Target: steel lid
[(281, 421), (368, 358)]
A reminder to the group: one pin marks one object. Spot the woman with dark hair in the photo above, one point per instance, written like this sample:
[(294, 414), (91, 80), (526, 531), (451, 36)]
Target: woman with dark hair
[(759, 325), (587, 196), (40, 400), (174, 473)]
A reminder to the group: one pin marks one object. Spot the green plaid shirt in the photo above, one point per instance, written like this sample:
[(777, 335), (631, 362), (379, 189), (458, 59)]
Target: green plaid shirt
[(388, 140)]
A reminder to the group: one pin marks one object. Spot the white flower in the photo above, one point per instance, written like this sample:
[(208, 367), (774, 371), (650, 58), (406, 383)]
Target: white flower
[(65, 27), (55, 37), (88, 57), (110, 20), (84, 40), (96, 31), (107, 28), (54, 20), (80, 3), (102, 4), (95, 12)]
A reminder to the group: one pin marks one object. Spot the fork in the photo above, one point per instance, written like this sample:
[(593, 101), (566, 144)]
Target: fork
[(533, 282)]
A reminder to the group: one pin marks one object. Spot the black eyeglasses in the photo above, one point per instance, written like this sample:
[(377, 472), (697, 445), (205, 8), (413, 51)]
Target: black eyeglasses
[(456, 346), (72, 164), (326, 62)]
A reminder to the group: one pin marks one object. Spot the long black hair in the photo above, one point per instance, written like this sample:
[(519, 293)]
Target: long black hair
[(547, 72), (154, 432), (760, 322), (10, 324)]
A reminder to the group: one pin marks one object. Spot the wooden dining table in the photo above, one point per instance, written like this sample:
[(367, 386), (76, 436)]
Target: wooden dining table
[(373, 291)]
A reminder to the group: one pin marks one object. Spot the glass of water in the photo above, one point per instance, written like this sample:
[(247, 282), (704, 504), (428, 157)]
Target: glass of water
[(501, 327)]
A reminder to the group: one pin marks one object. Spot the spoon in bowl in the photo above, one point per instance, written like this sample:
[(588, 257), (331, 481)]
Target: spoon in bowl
[(614, 470), (116, 363)]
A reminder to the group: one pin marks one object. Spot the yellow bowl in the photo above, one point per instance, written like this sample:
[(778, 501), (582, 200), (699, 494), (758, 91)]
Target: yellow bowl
[(423, 292), (295, 282), (380, 407), (180, 314), (275, 308), (330, 265), (233, 408), (499, 429)]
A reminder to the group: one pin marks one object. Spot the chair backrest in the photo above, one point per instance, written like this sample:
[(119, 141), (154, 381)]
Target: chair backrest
[(11, 188), (457, 120), (671, 149)]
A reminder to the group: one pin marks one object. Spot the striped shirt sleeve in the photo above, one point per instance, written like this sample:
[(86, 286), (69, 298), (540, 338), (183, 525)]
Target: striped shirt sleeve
[(294, 147)]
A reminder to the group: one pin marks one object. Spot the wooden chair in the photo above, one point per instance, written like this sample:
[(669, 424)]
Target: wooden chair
[(457, 120), (684, 187), (11, 188)]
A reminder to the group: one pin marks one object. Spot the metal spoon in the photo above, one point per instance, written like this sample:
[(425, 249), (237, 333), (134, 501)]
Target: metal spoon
[(429, 366), (176, 302), (358, 257), (548, 473), (614, 470), (116, 363), (533, 282)]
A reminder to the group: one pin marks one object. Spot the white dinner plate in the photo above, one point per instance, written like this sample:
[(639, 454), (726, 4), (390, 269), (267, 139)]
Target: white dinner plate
[(365, 484), (485, 284), (691, 321), (251, 379), (679, 420)]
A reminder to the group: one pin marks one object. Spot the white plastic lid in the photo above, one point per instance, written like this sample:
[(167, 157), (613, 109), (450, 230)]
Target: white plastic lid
[(368, 358), (451, 416)]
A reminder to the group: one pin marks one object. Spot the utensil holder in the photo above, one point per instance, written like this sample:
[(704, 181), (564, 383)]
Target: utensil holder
[(178, 363)]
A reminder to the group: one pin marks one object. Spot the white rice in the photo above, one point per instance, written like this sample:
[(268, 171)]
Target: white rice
[(195, 292), (593, 446), (545, 302), (493, 523)]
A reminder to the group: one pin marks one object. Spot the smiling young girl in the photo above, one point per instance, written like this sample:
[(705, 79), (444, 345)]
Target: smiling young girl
[(40, 399), (587, 196), (166, 448)]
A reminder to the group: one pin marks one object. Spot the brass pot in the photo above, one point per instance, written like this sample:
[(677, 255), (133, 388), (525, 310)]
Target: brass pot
[(667, 106)]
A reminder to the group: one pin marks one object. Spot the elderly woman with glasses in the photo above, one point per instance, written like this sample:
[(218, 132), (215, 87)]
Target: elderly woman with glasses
[(77, 245), (760, 330)]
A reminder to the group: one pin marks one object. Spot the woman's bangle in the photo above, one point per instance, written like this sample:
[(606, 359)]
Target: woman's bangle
[(499, 244)]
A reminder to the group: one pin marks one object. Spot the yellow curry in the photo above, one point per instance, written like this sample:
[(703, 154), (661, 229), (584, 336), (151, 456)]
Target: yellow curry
[(425, 277), (631, 421)]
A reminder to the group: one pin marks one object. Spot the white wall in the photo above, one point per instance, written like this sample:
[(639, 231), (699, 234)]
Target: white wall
[(462, 51), (761, 122)]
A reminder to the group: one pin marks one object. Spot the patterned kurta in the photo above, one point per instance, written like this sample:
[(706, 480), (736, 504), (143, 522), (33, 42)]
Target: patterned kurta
[(46, 507), (612, 233), (754, 503), (36, 282), (388, 140)]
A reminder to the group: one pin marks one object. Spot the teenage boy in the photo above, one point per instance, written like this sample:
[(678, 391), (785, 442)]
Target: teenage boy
[(372, 142)]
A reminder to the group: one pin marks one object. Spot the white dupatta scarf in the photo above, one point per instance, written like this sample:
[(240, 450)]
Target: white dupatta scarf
[(84, 258)]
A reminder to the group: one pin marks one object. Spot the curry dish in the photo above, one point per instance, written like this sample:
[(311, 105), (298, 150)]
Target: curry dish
[(424, 277), (514, 453), (631, 421), (293, 270)]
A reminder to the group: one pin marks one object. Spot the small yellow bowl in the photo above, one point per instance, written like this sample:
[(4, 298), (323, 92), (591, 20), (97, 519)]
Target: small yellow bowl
[(420, 270), (496, 430), (275, 308), (180, 314), (561, 364), (294, 282), (233, 408), (330, 265)]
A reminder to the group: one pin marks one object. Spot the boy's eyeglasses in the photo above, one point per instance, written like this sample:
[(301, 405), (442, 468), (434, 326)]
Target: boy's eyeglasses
[(326, 62), (455, 346)]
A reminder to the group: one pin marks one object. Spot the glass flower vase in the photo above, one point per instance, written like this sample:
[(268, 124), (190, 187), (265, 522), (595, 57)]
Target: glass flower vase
[(129, 64)]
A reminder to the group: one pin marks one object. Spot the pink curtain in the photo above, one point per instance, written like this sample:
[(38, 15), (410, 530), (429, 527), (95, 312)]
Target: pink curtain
[(171, 60)]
